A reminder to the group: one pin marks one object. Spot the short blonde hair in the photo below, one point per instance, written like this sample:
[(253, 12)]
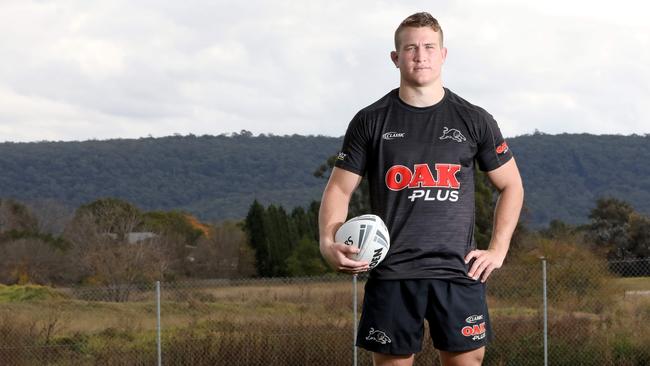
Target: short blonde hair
[(418, 20)]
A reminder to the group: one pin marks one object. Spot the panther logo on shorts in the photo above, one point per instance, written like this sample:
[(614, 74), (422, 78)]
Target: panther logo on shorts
[(378, 336)]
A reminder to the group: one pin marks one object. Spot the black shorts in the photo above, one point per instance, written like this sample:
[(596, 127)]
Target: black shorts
[(392, 319)]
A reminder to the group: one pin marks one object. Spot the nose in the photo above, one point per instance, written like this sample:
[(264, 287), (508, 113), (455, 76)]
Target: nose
[(419, 54)]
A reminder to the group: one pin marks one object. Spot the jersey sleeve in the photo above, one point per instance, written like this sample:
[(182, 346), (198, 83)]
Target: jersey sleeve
[(493, 151), (354, 152)]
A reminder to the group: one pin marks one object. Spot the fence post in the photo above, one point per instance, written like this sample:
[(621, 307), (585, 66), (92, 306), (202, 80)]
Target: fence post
[(158, 328), (354, 311), (545, 312)]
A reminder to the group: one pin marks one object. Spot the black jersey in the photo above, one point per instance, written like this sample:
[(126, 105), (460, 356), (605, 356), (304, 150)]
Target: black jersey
[(419, 163)]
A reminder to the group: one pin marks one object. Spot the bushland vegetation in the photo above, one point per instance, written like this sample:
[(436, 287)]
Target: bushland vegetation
[(111, 242)]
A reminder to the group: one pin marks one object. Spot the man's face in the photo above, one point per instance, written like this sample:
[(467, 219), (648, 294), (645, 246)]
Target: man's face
[(420, 56)]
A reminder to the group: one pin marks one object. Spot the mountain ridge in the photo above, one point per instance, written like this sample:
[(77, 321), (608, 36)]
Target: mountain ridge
[(217, 177)]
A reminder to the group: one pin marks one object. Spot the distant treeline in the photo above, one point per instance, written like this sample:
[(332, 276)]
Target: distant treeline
[(112, 242), (217, 177)]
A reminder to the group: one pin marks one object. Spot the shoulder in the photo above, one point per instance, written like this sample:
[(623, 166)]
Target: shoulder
[(476, 113), (380, 105)]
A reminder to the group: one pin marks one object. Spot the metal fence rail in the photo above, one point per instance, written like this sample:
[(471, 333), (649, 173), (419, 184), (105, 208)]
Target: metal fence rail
[(588, 311)]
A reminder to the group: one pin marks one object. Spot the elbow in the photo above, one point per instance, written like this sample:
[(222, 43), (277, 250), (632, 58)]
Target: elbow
[(514, 188), (518, 190)]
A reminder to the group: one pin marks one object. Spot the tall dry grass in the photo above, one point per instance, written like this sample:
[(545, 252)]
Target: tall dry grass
[(301, 324)]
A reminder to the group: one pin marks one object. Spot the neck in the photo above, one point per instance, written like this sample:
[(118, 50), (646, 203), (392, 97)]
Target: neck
[(421, 96)]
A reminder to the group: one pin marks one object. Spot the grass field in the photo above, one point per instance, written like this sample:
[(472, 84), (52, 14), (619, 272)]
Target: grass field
[(632, 283), (274, 323)]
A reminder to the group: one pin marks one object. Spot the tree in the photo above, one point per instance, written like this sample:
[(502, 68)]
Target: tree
[(98, 233), (112, 216), (254, 227), (276, 236), (278, 231), (175, 223), (639, 234), (558, 229), (52, 216), (15, 217), (609, 226), (224, 253), (623, 234), (31, 260), (121, 266), (306, 259)]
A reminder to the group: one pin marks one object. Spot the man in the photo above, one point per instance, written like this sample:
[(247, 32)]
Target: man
[(418, 146)]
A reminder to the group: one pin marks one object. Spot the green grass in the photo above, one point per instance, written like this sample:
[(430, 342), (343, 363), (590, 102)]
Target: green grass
[(18, 293)]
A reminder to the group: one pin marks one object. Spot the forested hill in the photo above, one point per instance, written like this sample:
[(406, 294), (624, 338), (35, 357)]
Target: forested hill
[(565, 174), (213, 177), (217, 177)]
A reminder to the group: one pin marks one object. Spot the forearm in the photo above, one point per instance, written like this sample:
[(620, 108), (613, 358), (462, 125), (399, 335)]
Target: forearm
[(332, 214), (506, 216)]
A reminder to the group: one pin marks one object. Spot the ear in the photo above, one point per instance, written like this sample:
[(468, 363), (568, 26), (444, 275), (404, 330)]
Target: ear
[(393, 57), (443, 52)]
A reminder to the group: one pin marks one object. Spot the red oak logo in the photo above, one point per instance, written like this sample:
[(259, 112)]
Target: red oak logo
[(475, 331), (502, 148), (399, 177)]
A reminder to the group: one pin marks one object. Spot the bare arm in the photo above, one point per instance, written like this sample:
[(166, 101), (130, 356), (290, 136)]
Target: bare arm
[(507, 181), (332, 214)]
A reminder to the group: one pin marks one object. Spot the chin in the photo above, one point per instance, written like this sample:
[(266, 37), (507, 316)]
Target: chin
[(421, 82)]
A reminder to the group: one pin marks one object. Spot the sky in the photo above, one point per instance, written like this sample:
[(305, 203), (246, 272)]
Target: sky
[(79, 69)]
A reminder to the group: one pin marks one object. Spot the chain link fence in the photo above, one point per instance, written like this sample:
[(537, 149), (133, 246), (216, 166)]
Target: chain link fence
[(595, 315)]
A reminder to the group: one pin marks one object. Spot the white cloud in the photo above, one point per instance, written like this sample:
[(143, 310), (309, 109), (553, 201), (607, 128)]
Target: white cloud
[(73, 69)]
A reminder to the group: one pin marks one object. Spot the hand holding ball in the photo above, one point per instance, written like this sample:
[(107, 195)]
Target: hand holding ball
[(369, 234)]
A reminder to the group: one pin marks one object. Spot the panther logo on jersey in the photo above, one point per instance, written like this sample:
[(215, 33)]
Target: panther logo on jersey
[(452, 133)]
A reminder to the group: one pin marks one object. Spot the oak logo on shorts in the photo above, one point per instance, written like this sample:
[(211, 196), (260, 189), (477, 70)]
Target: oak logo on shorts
[(399, 177), (378, 336), (476, 331)]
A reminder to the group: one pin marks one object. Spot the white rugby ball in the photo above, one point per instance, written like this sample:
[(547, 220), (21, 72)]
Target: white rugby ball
[(369, 234)]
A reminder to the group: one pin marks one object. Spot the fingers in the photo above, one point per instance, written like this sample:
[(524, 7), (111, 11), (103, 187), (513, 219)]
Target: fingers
[(347, 249), (483, 264), (346, 262), (481, 268), (343, 262), (477, 268), (487, 273), (351, 266), (470, 255)]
